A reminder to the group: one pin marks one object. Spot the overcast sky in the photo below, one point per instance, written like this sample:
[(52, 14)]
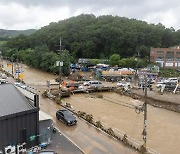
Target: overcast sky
[(27, 14)]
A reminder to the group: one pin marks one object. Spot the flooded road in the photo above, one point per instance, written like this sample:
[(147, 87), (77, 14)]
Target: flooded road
[(163, 126)]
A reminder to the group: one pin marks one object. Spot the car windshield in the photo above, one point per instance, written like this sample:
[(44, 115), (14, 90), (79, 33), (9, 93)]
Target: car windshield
[(68, 115), (47, 152)]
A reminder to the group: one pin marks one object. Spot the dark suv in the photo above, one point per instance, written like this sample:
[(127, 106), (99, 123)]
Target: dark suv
[(66, 116)]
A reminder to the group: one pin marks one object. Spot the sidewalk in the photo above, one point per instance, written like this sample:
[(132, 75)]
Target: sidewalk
[(62, 145)]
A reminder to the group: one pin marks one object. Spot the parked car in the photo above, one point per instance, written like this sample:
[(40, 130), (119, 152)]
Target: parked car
[(2, 81), (3, 76), (66, 116), (93, 84), (159, 84), (175, 80), (123, 83)]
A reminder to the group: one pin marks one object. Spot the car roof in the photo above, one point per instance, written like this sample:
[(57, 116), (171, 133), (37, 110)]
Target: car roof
[(64, 111), (47, 151)]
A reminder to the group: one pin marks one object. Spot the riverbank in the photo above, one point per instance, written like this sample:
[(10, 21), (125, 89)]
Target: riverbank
[(169, 101)]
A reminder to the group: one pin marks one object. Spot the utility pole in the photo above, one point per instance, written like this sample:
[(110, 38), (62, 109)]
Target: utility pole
[(145, 115), (59, 66), (18, 69), (60, 71), (1, 60), (136, 73), (12, 65)]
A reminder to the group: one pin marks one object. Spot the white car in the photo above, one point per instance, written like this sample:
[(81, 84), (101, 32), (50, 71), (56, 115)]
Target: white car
[(3, 76), (3, 81), (123, 83), (93, 84), (159, 84)]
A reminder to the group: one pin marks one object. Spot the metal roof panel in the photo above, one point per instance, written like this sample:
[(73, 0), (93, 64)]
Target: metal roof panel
[(13, 101)]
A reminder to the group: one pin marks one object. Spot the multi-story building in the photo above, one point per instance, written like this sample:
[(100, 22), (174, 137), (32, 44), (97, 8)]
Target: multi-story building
[(167, 57)]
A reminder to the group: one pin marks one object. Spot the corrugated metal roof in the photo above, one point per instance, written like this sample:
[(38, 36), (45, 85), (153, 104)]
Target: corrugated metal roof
[(12, 100)]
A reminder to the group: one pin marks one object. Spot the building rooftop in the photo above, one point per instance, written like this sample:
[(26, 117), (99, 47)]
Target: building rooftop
[(12, 101)]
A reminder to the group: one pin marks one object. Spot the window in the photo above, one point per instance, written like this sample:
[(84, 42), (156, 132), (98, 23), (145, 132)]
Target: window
[(177, 53), (177, 58), (160, 52), (170, 56), (159, 59)]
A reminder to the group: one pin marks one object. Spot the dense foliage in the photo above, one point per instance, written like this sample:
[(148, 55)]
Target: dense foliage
[(4, 33), (169, 73), (88, 36)]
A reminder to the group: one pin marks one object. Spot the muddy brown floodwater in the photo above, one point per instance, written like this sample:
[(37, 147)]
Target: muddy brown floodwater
[(163, 126)]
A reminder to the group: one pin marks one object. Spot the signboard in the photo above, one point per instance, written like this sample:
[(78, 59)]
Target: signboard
[(9, 65), (21, 76), (59, 63), (18, 71)]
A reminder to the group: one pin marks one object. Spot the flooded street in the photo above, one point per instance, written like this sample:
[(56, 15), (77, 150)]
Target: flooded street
[(163, 126)]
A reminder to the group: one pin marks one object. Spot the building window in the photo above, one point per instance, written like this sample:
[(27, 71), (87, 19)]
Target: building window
[(177, 53), (159, 59), (170, 56), (177, 58), (160, 52)]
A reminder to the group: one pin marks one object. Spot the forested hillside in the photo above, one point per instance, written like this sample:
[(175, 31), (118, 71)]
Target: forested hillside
[(88, 36), (96, 37), (12, 33)]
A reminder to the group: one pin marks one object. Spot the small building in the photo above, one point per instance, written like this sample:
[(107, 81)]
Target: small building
[(166, 57), (45, 128), (19, 120)]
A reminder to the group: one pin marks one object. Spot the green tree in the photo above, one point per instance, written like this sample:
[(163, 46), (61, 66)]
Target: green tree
[(114, 59), (94, 61)]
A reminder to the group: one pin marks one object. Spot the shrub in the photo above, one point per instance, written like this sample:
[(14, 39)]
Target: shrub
[(89, 118), (98, 124), (58, 100)]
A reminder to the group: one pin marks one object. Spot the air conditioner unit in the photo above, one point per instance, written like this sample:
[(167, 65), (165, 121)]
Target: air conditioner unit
[(10, 149), (21, 148)]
